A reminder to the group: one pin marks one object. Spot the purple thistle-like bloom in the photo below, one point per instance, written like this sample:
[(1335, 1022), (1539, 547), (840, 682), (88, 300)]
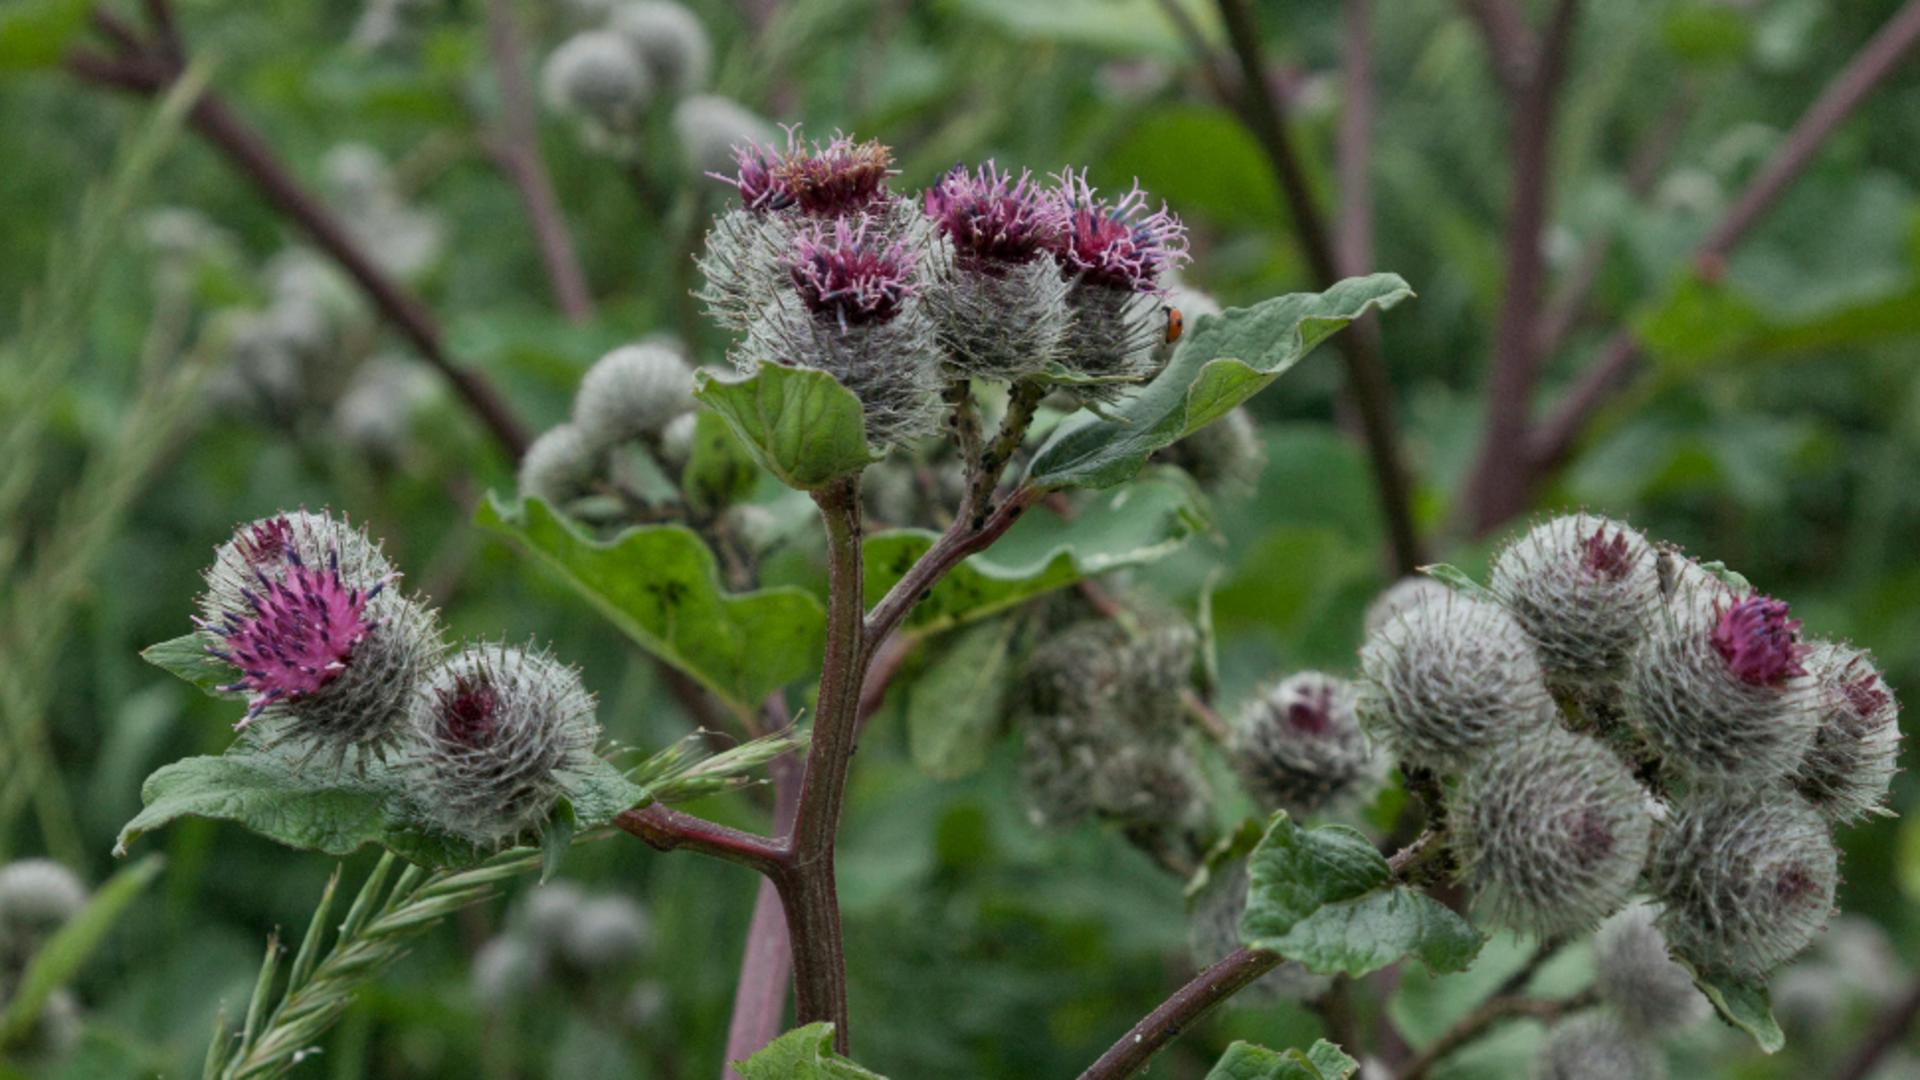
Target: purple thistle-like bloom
[(857, 279), (754, 178), (1607, 559), (1759, 642), (300, 632), (469, 710), (843, 177), (1116, 243), (993, 217)]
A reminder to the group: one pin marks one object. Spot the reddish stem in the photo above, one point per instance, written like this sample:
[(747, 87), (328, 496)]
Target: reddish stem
[(1180, 1012)]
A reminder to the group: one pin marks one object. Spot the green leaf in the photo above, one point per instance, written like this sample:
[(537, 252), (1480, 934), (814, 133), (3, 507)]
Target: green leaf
[(1247, 1061), (804, 426), (36, 33), (1137, 524), (1458, 580), (557, 839), (954, 707), (1745, 1005), (1123, 27), (185, 657), (805, 1053), (660, 585), (719, 471), (67, 951), (1224, 360), (1326, 898), (318, 808)]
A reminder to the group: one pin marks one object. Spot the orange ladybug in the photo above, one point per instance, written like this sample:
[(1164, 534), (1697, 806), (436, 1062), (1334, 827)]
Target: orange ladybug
[(1176, 325)]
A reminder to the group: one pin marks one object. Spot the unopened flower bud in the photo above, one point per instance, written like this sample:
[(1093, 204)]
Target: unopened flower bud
[(1584, 588), (669, 39), (597, 75), (710, 127), (1638, 979), (1596, 1046), (607, 933), (327, 650), (1552, 831), (676, 440), (1747, 879), (1718, 688), (36, 896), (376, 413), (506, 970), (1403, 595), (551, 908), (559, 467), (1299, 747), (632, 392), (1856, 748), (1450, 678), (499, 728)]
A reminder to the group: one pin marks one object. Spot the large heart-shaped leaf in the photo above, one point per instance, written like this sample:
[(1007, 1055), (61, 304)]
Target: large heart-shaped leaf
[(1225, 360), (317, 807), (1326, 898), (1137, 524), (801, 424), (661, 586)]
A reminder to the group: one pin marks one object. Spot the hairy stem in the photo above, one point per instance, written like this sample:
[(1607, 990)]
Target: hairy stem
[(813, 908)]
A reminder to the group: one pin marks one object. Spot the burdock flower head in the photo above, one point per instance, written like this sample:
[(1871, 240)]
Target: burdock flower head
[(1000, 306), (499, 728), (836, 179), (1114, 252), (327, 652), (851, 308), (1718, 685)]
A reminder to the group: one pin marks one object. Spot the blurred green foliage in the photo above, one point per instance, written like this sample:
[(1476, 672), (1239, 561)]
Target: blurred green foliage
[(1777, 427)]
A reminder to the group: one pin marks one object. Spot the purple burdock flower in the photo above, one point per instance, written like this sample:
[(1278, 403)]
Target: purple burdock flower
[(850, 275), (843, 177), (754, 179), (468, 710), (1604, 558), (1118, 244), (328, 655), (1759, 642), (993, 218), (300, 632)]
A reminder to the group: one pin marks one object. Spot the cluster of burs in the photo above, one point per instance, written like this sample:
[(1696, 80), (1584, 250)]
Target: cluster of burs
[(1613, 720), (337, 662), (38, 897), (632, 65)]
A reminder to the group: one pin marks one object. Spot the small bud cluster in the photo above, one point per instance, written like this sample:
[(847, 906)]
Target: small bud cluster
[(1299, 747), (562, 938), (989, 274), (37, 897), (632, 398), (336, 661), (636, 57), (1613, 717), (1595, 1045), (1104, 735)]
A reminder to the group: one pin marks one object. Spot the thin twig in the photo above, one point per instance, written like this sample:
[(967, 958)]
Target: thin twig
[(668, 830), (1367, 382), (1555, 439), (148, 70), (1501, 482), (1353, 243), (766, 966), (1510, 41), (1181, 1011), (516, 148), (1477, 1023)]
